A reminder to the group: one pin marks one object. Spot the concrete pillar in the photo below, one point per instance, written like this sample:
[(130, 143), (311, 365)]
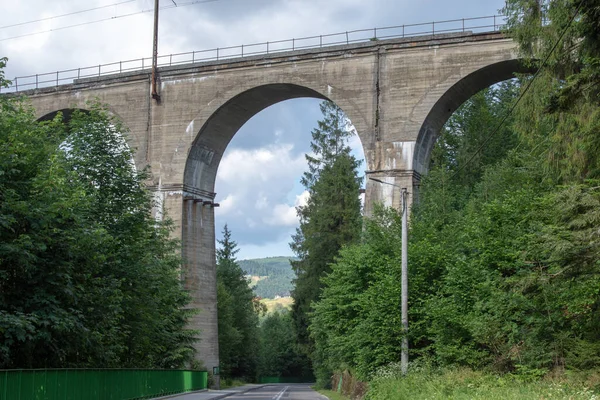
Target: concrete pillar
[(200, 277), (389, 193)]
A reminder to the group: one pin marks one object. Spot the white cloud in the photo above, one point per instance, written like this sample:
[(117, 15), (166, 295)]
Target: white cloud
[(262, 202), (302, 198), (283, 215), (227, 204), (256, 184), (260, 168)]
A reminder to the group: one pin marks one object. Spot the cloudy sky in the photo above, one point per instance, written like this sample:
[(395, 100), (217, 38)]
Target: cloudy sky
[(257, 202)]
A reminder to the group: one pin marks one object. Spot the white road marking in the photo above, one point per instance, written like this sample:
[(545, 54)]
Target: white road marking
[(278, 395)]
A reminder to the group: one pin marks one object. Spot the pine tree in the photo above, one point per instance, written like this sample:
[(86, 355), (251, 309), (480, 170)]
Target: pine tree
[(331, 218), (559, 116), (238, 314)]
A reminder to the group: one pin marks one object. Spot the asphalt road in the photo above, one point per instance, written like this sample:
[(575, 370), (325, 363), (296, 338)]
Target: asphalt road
[(280, 392)]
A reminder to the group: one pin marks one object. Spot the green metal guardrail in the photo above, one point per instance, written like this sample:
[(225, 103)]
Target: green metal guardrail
[(97, 384)]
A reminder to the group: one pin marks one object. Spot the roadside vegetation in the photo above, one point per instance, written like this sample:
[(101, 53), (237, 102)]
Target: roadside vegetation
[(331, 395), (504, 250), (88, 279), (466, 384)]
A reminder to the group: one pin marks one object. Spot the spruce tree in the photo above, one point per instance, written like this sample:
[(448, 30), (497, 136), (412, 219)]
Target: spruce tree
[(238, 315), (330, 219)]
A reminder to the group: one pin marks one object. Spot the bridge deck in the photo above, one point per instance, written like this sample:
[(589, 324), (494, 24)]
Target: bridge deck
[(357, 40), (265, 60)]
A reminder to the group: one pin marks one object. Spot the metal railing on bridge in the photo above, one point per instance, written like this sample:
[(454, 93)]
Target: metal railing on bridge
[(97, 384), (474, 25)]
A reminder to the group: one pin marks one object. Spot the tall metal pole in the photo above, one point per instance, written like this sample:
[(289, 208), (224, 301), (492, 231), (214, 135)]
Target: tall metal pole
[(404, 283), (155, 52), (403, 275)]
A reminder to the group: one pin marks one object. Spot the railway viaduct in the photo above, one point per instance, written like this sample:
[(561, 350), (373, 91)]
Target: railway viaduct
[(398, 93)]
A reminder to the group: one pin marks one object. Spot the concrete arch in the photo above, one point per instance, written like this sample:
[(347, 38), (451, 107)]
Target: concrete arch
[(66, 112), (212, 139), (453, 98), (47, 107)]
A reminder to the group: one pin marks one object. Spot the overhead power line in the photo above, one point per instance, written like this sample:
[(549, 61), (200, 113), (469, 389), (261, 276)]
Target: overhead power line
[(190, 3), (65, 15), (512, 108)]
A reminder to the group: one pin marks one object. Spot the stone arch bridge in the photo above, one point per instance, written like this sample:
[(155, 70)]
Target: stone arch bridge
[(397, 93)]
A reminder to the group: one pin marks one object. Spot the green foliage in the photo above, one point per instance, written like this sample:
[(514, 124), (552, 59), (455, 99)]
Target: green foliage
[(330, 219), (469, 130), (560, 115), (356, 323), (87, 277), (238, 311), (278, 351), (504, 246), (3, 81)]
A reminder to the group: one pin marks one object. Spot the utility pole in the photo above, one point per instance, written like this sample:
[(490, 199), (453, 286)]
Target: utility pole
[(155, 94), (403, 275), (404, 283)]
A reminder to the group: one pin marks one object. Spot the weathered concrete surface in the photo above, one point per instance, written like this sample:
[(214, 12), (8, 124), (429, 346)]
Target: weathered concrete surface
[(397, 93)]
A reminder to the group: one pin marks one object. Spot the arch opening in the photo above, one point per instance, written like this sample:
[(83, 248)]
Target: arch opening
[(453, 98), (198, 213), (67, 113), (211, 141)]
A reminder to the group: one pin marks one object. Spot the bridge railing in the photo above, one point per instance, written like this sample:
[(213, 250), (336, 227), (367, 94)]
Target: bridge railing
[(97, 384), (56, 78)]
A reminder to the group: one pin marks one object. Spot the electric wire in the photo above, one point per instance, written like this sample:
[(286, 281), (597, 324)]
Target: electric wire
[(65, 15), (522, 94), (108, 19)]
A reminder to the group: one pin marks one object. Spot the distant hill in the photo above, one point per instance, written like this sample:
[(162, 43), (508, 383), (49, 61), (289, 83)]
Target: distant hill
[(273, 275)]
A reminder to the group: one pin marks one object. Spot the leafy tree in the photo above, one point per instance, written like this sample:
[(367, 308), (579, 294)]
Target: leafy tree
[(278, 351), (467, 136), (331, 218), (356, 323), (87, 277), (238, 311), (503, 246)]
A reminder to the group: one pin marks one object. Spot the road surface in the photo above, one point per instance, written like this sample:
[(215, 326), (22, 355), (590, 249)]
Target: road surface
[(280, 392), (296, 391)]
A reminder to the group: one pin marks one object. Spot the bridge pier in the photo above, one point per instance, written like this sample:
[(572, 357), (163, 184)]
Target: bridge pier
[(199, 276), (389, 193)]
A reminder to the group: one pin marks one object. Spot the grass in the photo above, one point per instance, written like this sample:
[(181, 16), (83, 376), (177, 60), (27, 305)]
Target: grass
[(229, 383), (465, 384), (331, 395), (274, 304), (254, 279)]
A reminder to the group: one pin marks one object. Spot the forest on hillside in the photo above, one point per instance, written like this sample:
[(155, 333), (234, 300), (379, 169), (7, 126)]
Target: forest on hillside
[(275, 275)]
